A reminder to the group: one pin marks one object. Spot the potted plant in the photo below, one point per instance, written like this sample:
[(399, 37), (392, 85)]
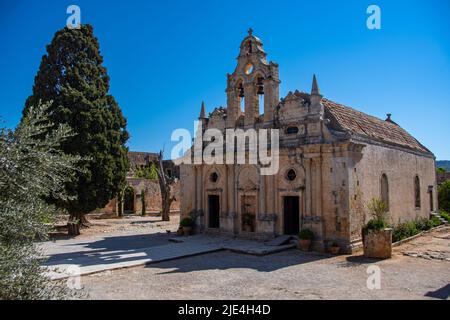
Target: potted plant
[(305, 237), (334, 248), (248, 221), (187, 224), (376, 234)]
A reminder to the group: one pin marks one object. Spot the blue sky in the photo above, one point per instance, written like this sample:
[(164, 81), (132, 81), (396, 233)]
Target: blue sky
[(165, 57)]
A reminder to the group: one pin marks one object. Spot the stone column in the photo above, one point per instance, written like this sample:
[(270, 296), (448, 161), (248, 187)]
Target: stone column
[(232, 194), (317, 186), (251, 104), (233, 106), (271, 98), (308, 189), (260, 225), (199, 196)]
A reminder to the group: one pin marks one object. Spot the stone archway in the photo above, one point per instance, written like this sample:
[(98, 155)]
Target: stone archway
[(129, 205), (248, 197)]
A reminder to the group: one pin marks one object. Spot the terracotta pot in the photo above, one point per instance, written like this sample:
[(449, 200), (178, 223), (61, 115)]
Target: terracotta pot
[(304, 244), (334, 250), (187, 231), (180, 231), (378, 243), (247, 228)]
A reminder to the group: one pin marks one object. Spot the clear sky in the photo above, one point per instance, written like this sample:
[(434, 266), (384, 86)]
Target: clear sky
[(165, 57)]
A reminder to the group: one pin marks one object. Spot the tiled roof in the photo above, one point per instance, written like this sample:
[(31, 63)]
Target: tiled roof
[(344, 118)]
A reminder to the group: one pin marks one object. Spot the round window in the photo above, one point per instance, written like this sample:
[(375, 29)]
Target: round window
[(248, 68), (291, 175), (214, 177), (292, 130)]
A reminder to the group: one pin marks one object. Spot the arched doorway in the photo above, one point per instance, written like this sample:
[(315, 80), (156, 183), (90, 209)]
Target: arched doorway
[(128, 201)]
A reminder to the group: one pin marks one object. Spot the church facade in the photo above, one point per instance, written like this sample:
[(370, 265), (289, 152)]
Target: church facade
[(333, 160)]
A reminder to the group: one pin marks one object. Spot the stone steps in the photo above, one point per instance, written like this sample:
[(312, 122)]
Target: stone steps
[(437, 215)]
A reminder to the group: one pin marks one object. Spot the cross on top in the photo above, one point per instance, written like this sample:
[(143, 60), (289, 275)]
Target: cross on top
[(250, 31)]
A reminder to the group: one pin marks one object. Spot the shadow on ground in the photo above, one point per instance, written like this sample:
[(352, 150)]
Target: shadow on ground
[(108, 249), (233, 260), (441, 293), (119, 249)]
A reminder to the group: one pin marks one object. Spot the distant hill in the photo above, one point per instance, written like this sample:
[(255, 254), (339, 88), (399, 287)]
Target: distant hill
[(443, 164)]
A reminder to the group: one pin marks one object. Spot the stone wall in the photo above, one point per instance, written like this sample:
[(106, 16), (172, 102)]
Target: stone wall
[(152, 196), (401, 168)]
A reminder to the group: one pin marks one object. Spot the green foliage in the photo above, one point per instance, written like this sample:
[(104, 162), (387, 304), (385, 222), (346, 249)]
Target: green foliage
[(443, 164), (441, 170), (31, 169), (435, 221), (404, 230), (147, 172), (444, 196), (71, 75), (377, 209), (411, 228), (306, 234), (445, 215), (375, 225), (187, 222)]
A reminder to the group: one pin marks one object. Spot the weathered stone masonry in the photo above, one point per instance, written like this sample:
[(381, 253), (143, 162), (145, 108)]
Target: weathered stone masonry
[(333, 161)]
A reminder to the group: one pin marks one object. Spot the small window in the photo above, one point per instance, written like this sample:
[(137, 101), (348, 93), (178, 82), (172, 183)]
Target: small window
[(385, 190), (291, 175), (417, 192), (214, 177), (292, 130)]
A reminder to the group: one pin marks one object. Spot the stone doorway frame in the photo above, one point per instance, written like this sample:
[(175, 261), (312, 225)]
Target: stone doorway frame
[(280, 209), (133, 203)]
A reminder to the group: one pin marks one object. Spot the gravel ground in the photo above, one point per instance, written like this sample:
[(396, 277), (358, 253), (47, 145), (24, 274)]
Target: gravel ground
[(286, 275), (104, 225)]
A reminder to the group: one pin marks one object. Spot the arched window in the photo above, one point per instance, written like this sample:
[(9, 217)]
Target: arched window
[(260, 93), (417, 191), (385, 190), (241, 95)]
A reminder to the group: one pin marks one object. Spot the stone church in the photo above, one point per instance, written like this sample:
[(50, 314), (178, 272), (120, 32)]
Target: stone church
[(333, 161)]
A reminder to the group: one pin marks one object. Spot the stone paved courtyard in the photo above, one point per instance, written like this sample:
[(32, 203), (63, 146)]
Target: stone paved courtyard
[(287, 275)]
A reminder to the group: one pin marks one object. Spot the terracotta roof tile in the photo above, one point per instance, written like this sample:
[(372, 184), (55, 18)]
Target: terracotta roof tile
[(358, 123)]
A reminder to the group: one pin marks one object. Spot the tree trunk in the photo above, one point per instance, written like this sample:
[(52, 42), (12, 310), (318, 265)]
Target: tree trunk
[(164, 185), (75, 223), (120, 204)]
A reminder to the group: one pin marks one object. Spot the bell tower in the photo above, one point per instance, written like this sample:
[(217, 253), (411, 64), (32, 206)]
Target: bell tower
[(253, 77)]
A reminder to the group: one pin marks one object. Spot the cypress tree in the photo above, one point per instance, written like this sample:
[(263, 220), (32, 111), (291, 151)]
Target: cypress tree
[(71, 77)]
